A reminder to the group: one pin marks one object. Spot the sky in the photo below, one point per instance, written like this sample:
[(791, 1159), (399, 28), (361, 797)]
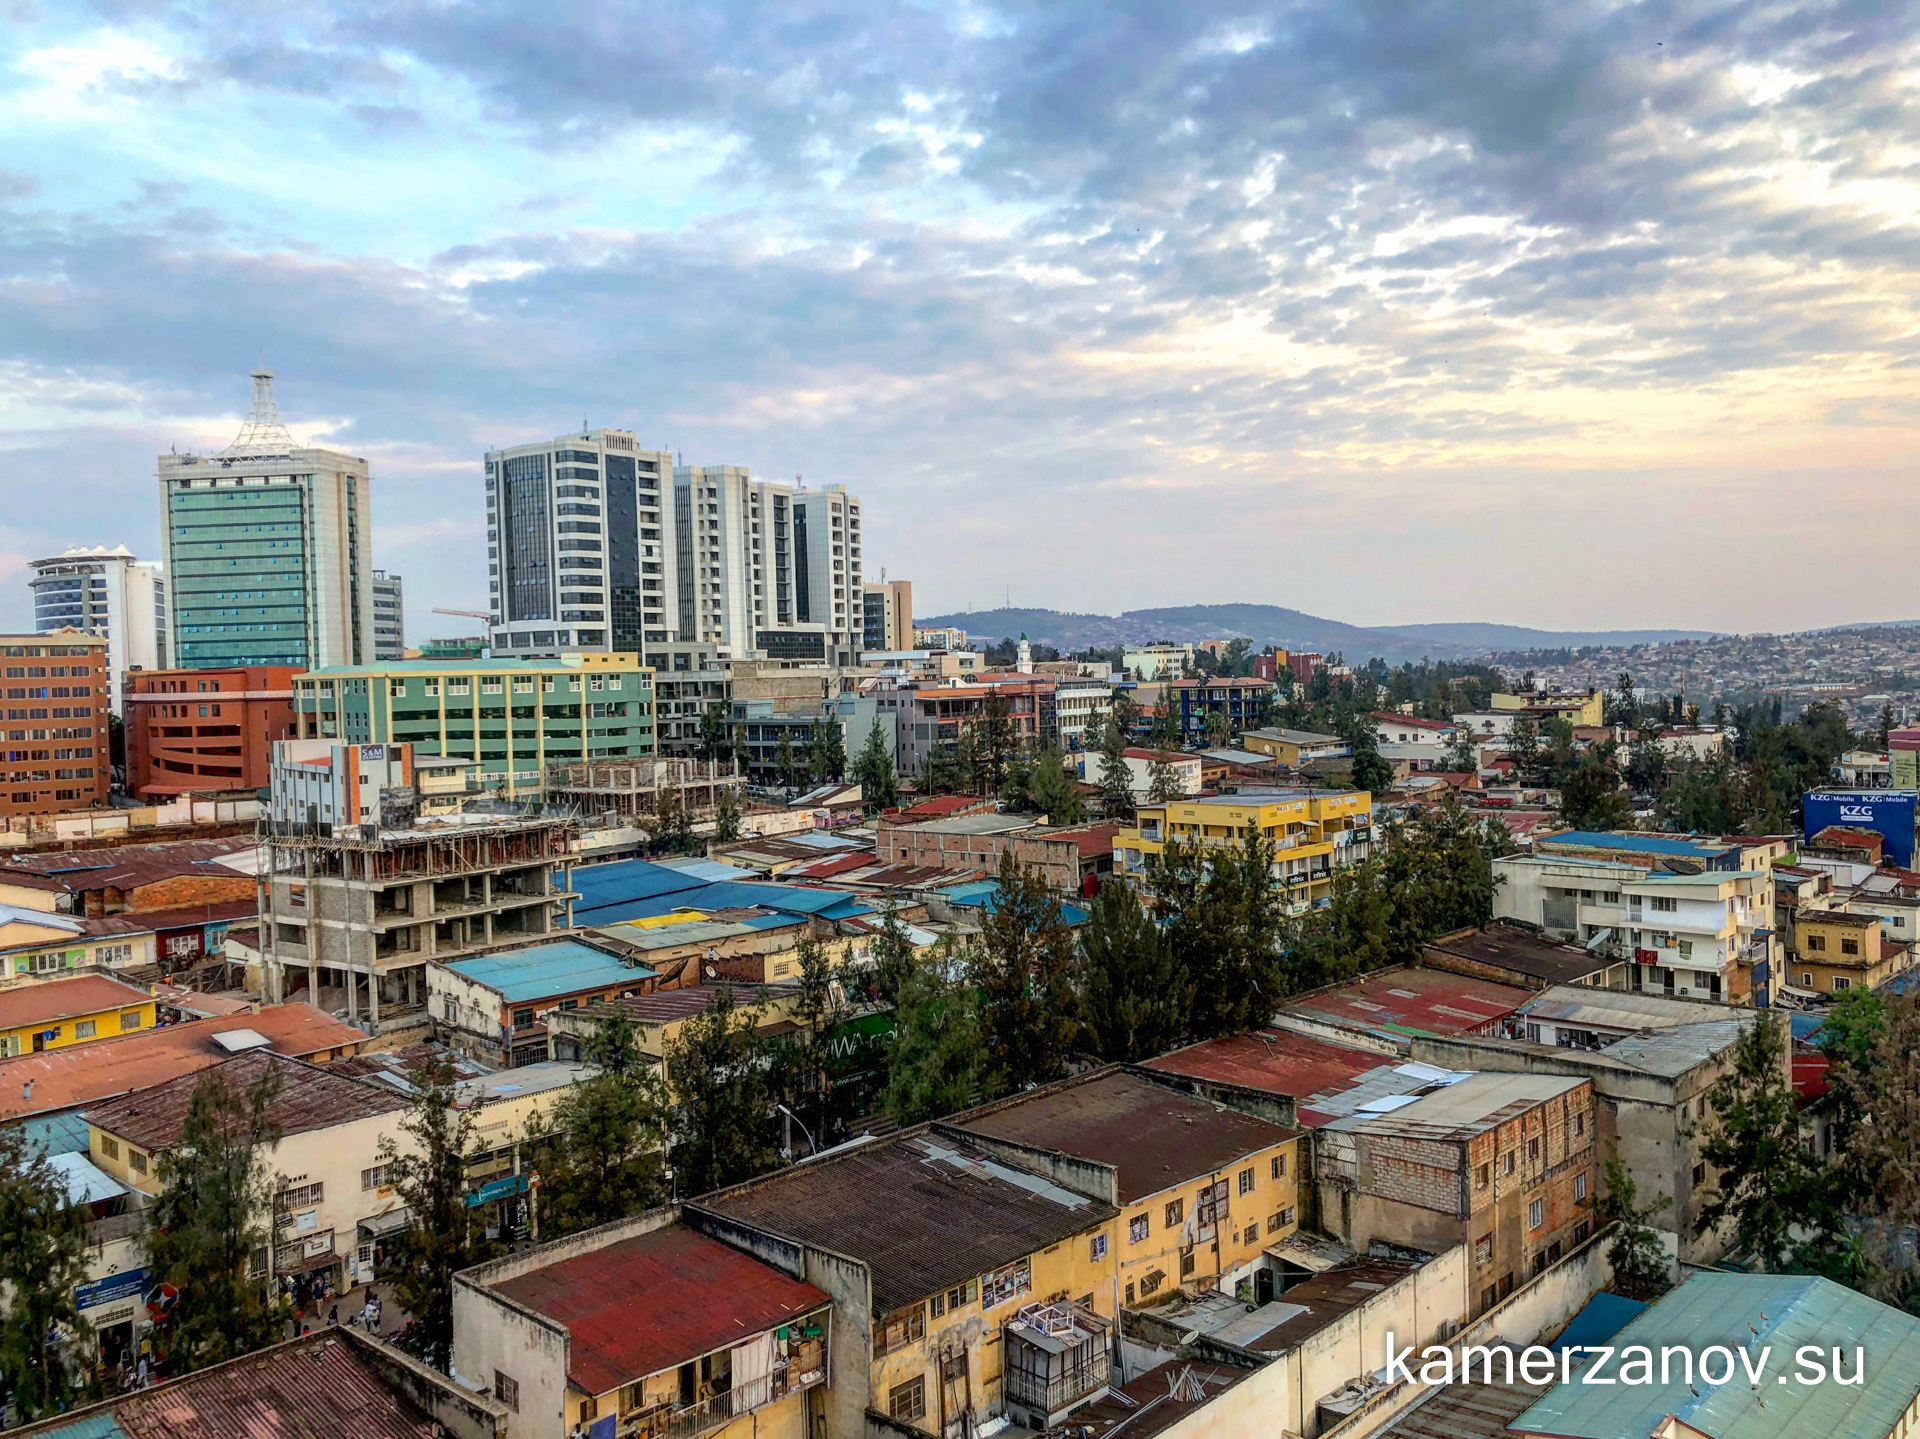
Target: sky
[(1567, 314)]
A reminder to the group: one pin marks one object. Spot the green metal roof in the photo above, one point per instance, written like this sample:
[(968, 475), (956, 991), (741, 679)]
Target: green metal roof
[(438, 667), (1774, 1313)]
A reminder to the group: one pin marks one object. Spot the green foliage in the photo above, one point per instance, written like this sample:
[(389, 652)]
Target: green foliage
[(939, 1054), (1222, 921), (1052, 791), (720, 1099), (827, 751), (1720, 795), (443, 1235), (993, 742), (726, 815), (716, 739), (893, 959), (1641, 1269), (1163, 779), (1023, 967), (604, 1155), (1591, 798), (672, 827), (210, 1219), (786, 766), (44, 1253), (873, 771), (1116, 782), (1016, 783), (1133, 996), (1765, 1182), (802, 1072), (1646, 766)]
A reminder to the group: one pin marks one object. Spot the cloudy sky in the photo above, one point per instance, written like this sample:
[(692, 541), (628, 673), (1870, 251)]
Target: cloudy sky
[(1573, 314)]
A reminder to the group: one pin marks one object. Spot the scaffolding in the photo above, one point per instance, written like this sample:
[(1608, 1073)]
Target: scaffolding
[(633, 787)]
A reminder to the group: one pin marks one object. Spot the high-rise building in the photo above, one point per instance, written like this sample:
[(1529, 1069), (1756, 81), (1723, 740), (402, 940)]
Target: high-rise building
[(105, 592), (389, 617), (205, 731), (580, 545), (268, 549), (767, 568), (56, 722), (886, 616)]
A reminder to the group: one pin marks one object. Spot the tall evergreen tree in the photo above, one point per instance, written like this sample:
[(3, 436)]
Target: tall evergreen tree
[(1765, 1182), (672, 824), (606, 1137), (209, 1220), (1163, 778), (1223, 930), (443, 1233), (786, 767), (726, 815), (1053, 791), (1116, 778), (1591, 798), (720, 1102), (873, 771), (1134, 998), (1023, 967), (993, 742), (938, 1064), (1639, 1261), (893, 959), (44, 1254)]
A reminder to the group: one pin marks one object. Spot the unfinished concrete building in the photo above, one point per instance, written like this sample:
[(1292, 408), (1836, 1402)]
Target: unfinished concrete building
[(350, 920), (634, 789)]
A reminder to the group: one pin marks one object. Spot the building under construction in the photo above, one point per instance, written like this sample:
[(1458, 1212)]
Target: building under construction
[(351, 916), (634, 789)]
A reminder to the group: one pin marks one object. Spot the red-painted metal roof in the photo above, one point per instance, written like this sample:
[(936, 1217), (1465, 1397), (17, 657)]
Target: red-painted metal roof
[(657, 1301), (1277, 1062), (1416, 1001), (830, 866)]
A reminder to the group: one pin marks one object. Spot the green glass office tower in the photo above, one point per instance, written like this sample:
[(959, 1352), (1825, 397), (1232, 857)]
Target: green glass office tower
[(268, 549)]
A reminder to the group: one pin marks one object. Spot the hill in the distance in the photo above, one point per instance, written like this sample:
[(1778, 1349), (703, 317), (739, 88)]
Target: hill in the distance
[(1288, 629)]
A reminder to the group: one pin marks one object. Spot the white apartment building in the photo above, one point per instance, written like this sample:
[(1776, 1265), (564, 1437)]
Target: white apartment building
[(766, 569), (1695, 936), (580, 545), (389, 617), (105, 592), (1149, 663), (1082, 705)]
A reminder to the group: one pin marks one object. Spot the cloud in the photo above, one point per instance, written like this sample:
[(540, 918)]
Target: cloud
[(1084, 282)]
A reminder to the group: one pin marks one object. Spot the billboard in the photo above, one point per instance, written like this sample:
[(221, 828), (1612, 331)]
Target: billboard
[(1887, 812)]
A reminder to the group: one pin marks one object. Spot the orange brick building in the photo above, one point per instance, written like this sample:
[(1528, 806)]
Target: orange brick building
[(205, 731), (55, 736)]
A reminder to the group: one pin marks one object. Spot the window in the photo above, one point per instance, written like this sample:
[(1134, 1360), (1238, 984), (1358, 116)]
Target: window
[(1664, 905), (1840, 982), (901, 1328), (997, 1287), (1151, 1281), (1536, 1212), (129, 1019), (1137, 1228), (1186, 1263), (1286, 1216), (1279, 1166), (109, 1147), (963, 1294), (1130, 1300), (1483, 1249), (507, 1390), (1816, 941), (909, 1400), (1508, 1168), (1097, 1249), (1579, 1186), (1273, 1222), (937, 1305), (1579, 1124), (1849, 945), (374, 1178), (1699, 1174), (1246, 1180), (136, 1161), (1533, 1151), (299, 1196), (1485, 1176), (1250, 1235), (1176, 1211), (83, 1029)]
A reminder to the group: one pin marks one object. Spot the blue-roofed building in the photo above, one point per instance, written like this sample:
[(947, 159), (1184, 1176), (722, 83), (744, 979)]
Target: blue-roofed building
[(1758, 1319), (1600, 844), (492, 1006), (982, 897)]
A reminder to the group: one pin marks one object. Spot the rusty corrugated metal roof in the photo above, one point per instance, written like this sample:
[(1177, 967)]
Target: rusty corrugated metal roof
[(310, 1098)]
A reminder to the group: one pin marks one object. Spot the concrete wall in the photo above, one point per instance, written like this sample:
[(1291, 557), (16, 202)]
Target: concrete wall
[(492, 1333), (1262, 1104), (1082, 1176), (462, 1414)]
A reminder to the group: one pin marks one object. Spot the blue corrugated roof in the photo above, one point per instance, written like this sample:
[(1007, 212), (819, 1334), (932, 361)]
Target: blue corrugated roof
[(94, 1426), (1641, 843), (1750, 1313), (64, 1133), (985, 893), (562, 967), (1605, 1316), (627, 879)]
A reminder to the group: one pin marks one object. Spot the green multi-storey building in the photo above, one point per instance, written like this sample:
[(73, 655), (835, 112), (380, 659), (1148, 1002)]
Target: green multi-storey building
[(515, 717)]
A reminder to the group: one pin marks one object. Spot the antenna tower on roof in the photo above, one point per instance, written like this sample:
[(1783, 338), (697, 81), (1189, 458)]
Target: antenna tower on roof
[(264, 433)]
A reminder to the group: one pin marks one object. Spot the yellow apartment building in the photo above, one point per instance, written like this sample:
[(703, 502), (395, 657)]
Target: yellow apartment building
[(1314, 834), (1581, 707), (54, 1013), (985, 1290), (1835, 951), (1203, 1191)]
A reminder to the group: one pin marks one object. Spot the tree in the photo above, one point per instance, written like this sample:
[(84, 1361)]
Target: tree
[(606, 1136), (443, 1234), (1463, 752), (1219, 729), (893, 959), (1371, 771), (716, 740), (44, 1249), (801, 1072), (1163, 779), (939, 1058), (1023, 967), (873, 771), (1016, 783), (1623, 705), (672, 824), (1116, 779), (720, 1102), (1223, 930), (1133, 1000), (1591, 799), (1523, 747), (726, 815), (1764, 1182), (1646, 765), (1052, 791), (1638, 1258), (207, 1224), (785, 766), (1884, 728), (827, 750), (993, 742), (1862, 1231)]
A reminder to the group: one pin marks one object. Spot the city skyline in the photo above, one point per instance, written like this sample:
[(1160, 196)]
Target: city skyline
[(1327, 296)]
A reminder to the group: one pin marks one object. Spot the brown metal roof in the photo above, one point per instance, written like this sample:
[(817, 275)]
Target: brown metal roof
[(1158, 1399), (1153, 1135), (922, 1211), (1471, 1411), (665, 1006), (1515, 950), (310, 1098), (318, 1387), (1325, 1297), (61, 999), (129, 866)]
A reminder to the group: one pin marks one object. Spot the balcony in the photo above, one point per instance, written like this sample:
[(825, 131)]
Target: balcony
[(805, 1368), (1056, 1360)]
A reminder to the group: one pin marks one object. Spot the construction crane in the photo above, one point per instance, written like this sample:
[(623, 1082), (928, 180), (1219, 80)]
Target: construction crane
[(469, 614)]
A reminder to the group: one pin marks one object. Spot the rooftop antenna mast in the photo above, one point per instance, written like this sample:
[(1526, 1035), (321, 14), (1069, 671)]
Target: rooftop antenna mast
[(264, 433)]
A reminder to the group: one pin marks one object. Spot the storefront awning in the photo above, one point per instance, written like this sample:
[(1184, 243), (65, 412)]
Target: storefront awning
[(387, 1223)]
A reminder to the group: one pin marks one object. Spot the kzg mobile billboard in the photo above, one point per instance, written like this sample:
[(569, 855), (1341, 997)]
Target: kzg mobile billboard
[(1887, 812)]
